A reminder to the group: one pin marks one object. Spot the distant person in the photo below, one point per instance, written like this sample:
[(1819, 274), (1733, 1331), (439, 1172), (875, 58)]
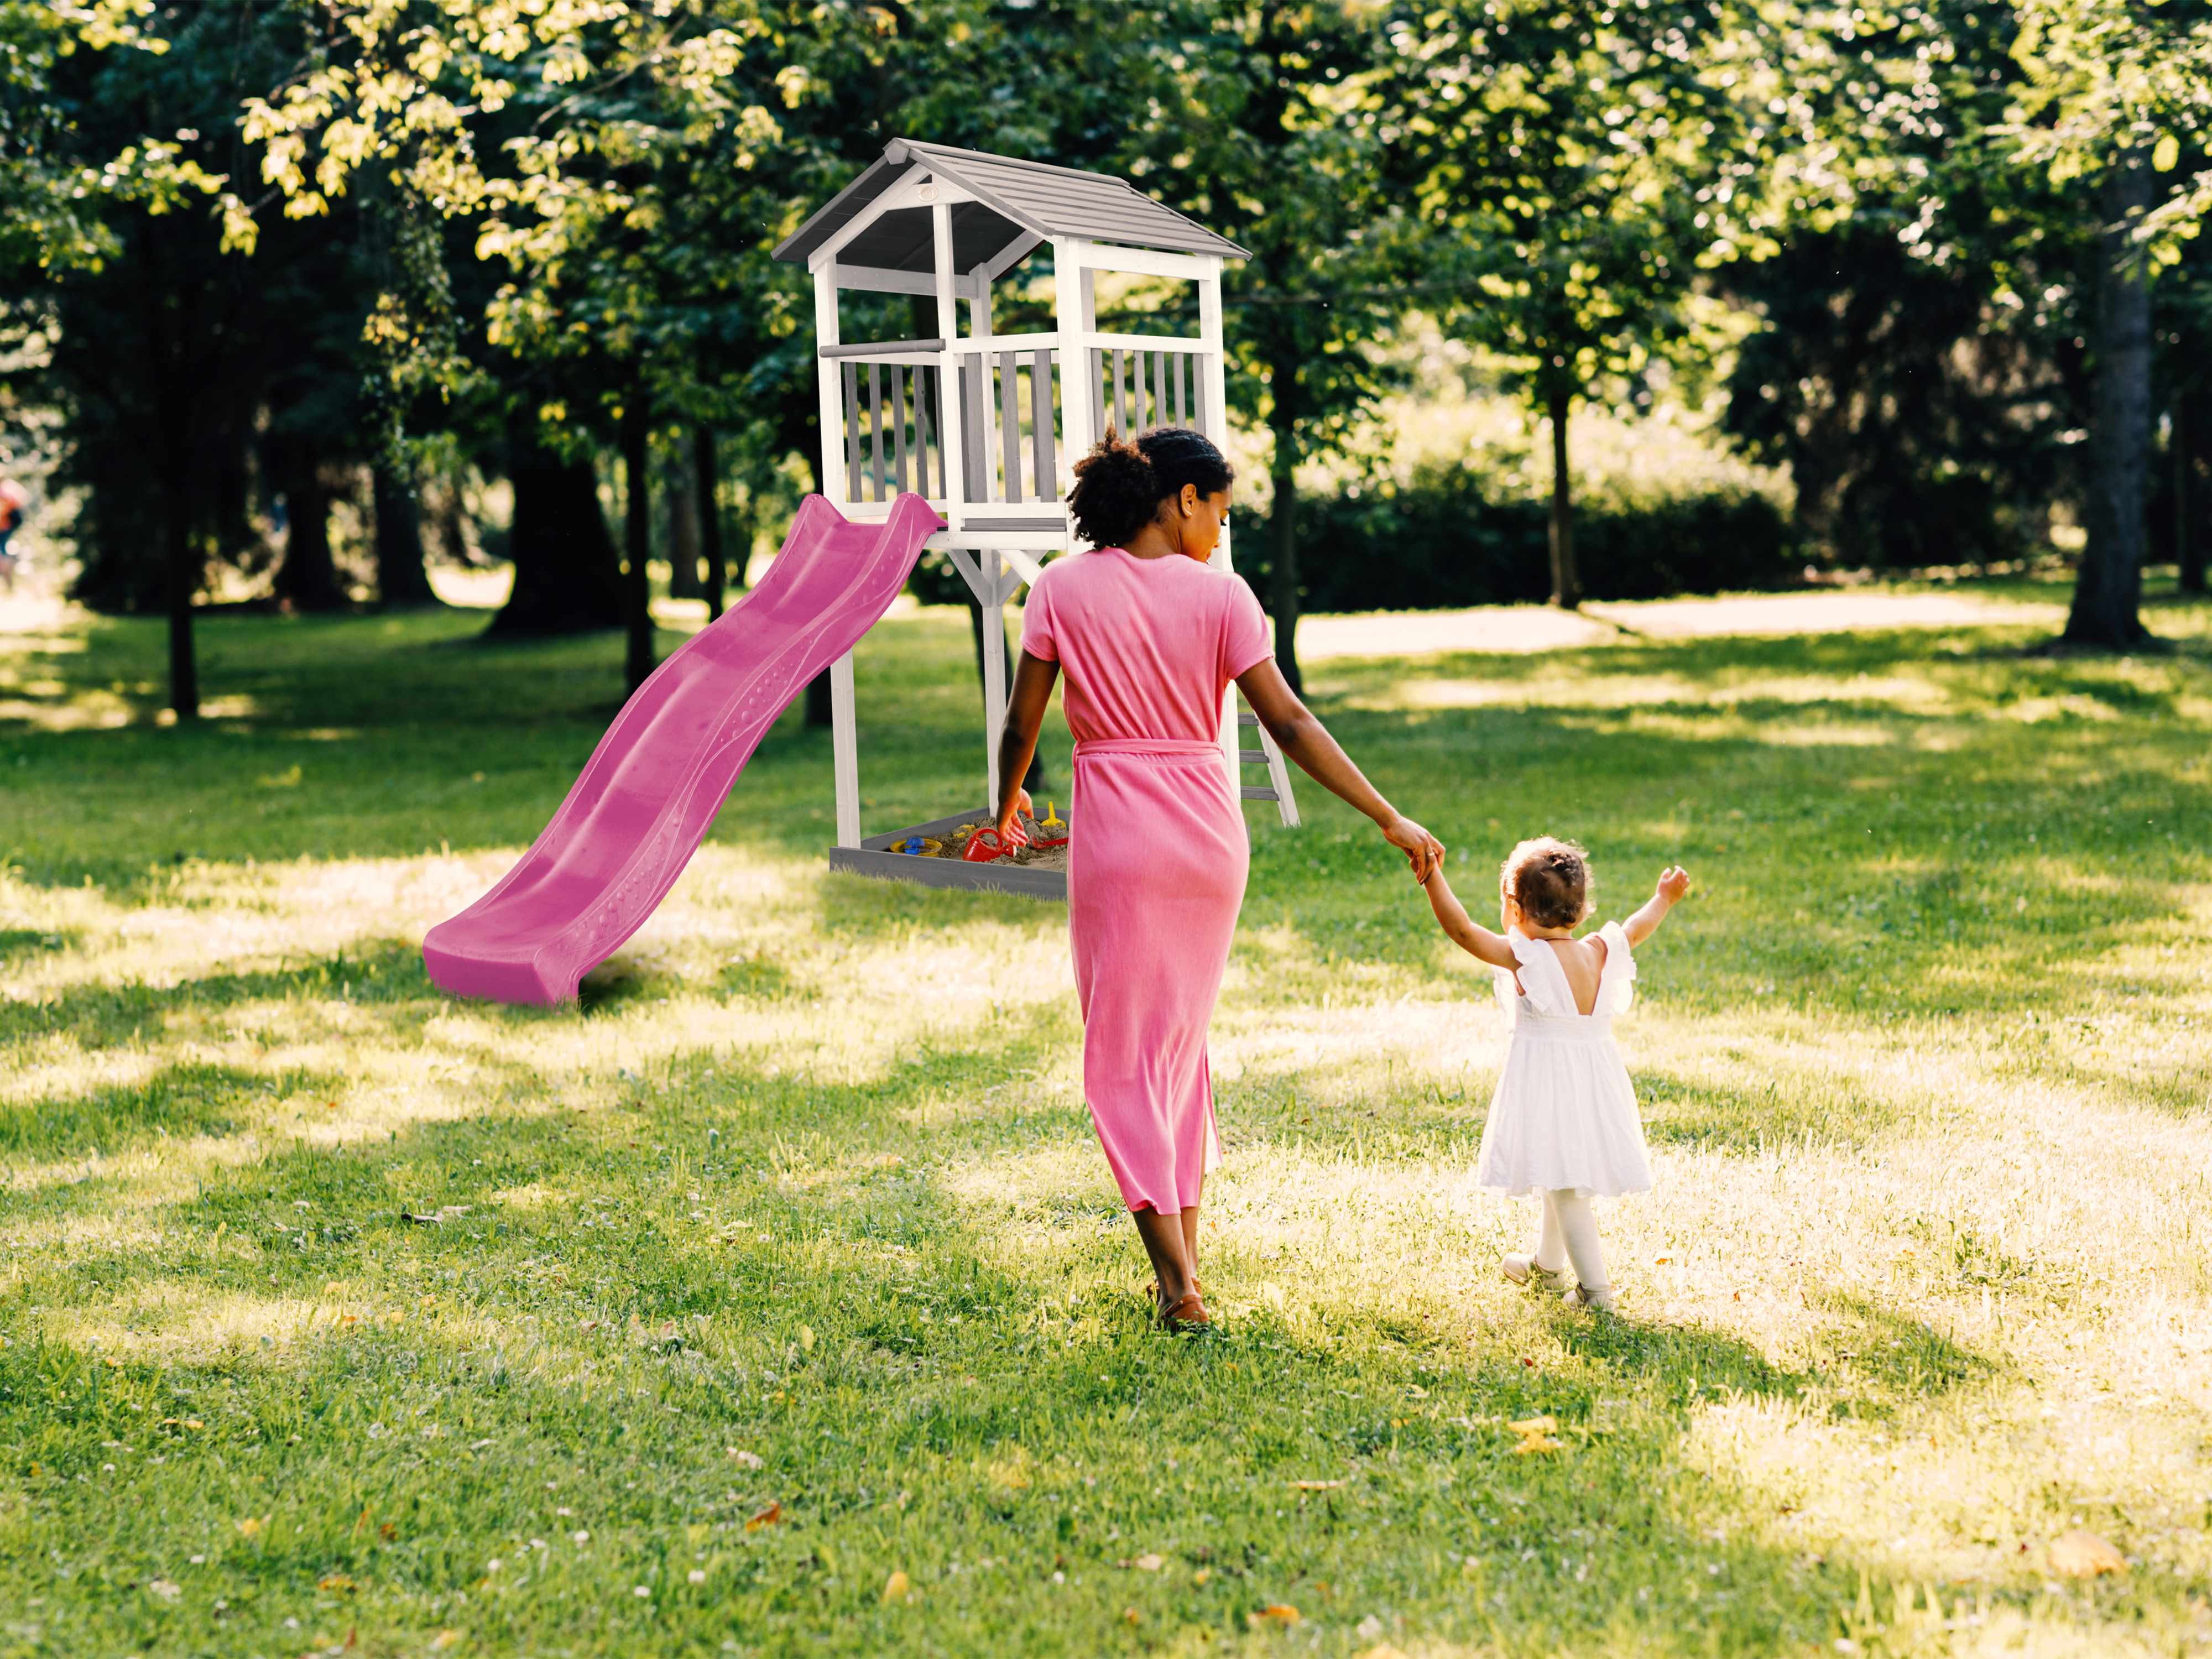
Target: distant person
[(15, 501), (1149, 639), (1563, 1124)]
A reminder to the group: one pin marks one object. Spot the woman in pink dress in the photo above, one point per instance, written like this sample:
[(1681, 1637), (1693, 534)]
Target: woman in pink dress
[(1150, 638)]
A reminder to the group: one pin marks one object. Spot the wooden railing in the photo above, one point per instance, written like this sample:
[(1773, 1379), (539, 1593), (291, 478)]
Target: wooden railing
[(1012, 446), (1164, 391), (889, 442)]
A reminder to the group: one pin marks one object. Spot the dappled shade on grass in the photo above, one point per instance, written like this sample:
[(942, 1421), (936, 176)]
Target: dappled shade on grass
[(787, 1267)]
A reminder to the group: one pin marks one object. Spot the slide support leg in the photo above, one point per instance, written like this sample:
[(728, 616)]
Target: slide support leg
[(845, 748)]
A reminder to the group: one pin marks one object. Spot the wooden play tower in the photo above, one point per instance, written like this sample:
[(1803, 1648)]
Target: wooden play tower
[(944, 225)]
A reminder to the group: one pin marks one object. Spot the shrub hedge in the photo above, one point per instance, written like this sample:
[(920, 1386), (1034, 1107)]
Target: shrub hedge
[(1449, 538)]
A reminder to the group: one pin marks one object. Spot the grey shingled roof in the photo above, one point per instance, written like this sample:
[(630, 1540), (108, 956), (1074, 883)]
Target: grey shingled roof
[(1014, 199)]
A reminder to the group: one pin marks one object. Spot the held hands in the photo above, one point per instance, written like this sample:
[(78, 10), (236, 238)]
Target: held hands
[(1673, 884), (1423, 851)]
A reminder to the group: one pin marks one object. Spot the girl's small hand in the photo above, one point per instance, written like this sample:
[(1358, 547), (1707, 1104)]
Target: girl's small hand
[(1010, 829), (1674, 883)]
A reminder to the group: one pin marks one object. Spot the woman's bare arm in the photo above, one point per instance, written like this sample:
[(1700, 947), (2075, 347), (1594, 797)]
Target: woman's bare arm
[(1306, 741), (1470, 935), (1034, 679)]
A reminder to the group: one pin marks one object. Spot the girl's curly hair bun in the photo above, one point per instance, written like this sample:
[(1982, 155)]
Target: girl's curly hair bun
[(1120, 484), (1550, 879)]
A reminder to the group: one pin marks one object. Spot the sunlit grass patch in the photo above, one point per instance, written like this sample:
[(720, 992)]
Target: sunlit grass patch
[(785, 1270)]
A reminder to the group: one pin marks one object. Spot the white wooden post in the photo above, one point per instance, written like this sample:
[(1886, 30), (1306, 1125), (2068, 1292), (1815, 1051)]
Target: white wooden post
[(826, 373), (845, 751), (1069, 279), (1213, 394), (987, 406), (994, 673), (951, 438), (844, 730)]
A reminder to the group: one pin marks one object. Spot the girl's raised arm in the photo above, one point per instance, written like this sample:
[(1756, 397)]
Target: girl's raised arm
[(1470, 935), (1673, 882)]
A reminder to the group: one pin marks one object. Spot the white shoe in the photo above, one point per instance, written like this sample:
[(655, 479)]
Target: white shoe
[(1582, 1297), (1523, 1268)]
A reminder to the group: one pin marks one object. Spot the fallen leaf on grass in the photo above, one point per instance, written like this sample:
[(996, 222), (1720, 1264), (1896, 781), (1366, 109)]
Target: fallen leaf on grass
[(897, 1586), (1316, 1486), (766, 1517), (1142, 1563), (168, 1589), (1536, 1434), (336, 1581), (251, 1525), (1280, 1614), (751, 1460), (2084, 1555), (444, 1639)]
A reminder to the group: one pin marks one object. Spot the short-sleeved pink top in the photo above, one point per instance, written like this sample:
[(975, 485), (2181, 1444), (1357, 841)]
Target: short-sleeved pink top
[(1147, 644)]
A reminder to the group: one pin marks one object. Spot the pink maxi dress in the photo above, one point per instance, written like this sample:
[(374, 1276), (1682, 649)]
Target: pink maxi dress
[(1158, 856)]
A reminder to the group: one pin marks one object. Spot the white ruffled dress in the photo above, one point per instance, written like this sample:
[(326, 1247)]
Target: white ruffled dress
[(1564, 1113)]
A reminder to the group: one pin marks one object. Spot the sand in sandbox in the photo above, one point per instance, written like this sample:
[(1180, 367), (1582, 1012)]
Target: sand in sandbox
[(1027, 857)]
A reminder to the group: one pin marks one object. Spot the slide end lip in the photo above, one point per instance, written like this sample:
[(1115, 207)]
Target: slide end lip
[(488, 980)]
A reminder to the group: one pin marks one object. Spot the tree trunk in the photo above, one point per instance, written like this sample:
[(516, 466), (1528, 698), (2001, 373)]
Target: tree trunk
[(683, 496), (2189, 501), (566, 579), (307, 580), (1283, 518), (1566, 588), (184, 573), (706, 474), (637, 538), (2108, 592), (400, 578)]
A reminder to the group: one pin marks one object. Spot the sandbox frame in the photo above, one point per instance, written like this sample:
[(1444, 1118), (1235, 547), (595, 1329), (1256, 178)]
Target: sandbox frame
[(873, 857)]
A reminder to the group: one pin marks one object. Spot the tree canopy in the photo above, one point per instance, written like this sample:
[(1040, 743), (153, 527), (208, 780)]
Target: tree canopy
[(253, 246)]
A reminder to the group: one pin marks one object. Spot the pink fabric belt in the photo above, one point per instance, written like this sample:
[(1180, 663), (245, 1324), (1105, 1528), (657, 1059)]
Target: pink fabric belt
[(1166, 748)]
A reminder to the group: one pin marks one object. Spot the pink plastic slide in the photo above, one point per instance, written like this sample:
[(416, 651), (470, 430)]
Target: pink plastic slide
[(661, 773)]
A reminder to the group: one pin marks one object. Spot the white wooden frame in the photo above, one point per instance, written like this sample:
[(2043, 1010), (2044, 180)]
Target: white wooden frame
[(998, 546)]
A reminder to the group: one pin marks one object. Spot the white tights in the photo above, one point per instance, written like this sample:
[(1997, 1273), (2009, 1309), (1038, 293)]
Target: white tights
[(1570, 1231)]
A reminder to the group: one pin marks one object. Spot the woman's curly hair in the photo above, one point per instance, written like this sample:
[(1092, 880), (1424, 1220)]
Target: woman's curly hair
[(1550, 879), (1120, 484)]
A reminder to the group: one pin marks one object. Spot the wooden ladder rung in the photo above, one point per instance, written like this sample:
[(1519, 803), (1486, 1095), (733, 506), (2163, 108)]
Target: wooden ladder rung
[(1248, 719), (1253, 757), (1250, 793)]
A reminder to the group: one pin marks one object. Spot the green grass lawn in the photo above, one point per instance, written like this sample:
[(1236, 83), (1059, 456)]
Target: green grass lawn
[(777, 1300)]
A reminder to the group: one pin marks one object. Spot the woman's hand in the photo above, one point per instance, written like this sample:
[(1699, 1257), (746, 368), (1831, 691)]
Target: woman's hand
[(1010, 829), (1423, 851)]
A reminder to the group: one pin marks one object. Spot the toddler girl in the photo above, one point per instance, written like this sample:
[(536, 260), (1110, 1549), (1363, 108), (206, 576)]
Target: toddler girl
[(1562, 1123)]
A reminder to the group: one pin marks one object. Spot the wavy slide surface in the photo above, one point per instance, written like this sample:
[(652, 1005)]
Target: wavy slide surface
[(661, 772)]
